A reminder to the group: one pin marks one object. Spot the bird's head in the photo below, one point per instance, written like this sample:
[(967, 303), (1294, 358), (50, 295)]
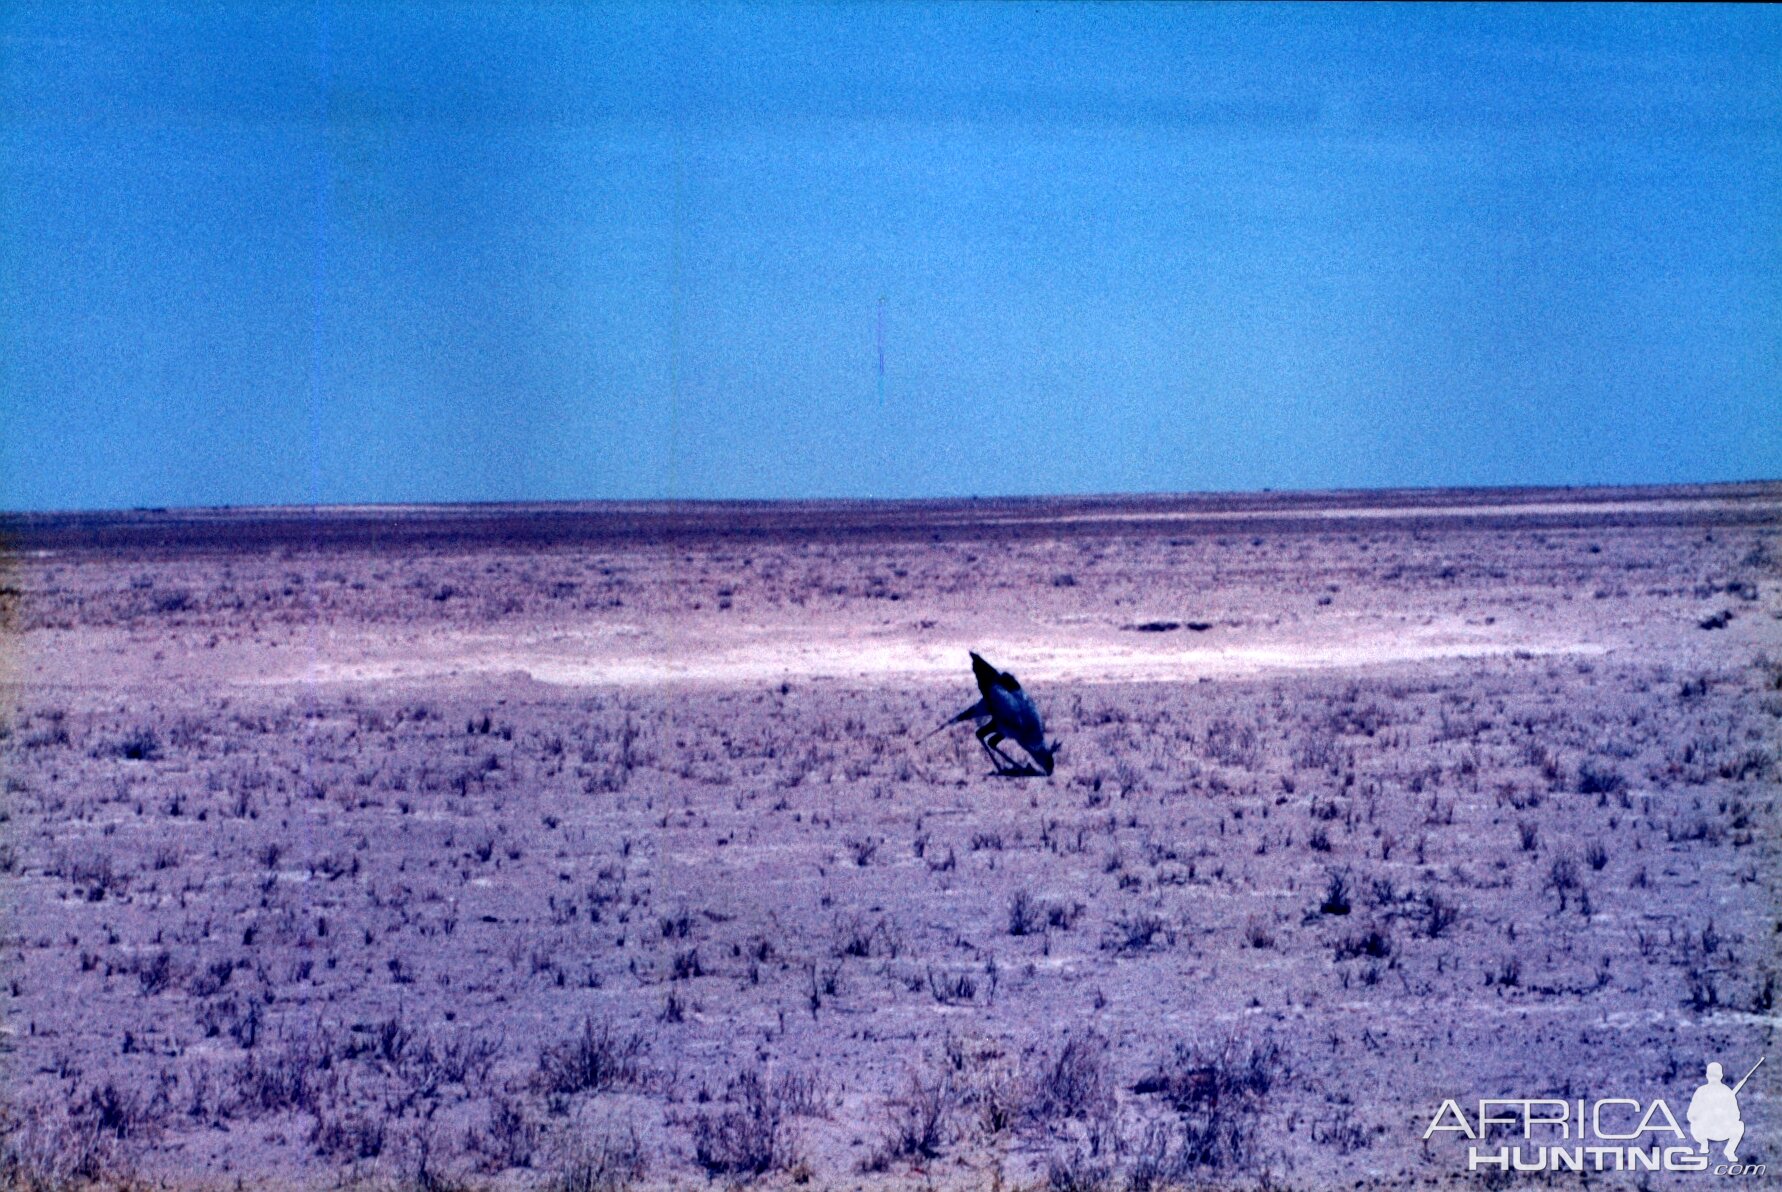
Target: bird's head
[(1046, 756)]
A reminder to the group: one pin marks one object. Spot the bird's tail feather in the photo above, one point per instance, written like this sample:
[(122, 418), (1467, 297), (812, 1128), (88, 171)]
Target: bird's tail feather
[(971, 713)]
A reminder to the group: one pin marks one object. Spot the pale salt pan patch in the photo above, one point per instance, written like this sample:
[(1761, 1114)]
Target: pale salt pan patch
[(842, 659)]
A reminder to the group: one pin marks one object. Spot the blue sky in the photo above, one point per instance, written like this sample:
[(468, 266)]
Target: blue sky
[(346, 253)]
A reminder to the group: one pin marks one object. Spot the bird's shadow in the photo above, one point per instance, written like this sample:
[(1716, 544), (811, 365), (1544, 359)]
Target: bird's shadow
[(1022, 771)]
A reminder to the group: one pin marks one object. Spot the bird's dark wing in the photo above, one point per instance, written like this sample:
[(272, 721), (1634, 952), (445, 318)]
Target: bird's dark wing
[(989, 678), (1016, 716)]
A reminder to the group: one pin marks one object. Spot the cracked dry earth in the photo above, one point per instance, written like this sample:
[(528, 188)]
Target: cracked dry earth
[(595, 847)]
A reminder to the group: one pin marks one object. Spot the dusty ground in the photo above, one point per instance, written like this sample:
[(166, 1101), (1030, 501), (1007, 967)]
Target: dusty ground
[(595, 847)]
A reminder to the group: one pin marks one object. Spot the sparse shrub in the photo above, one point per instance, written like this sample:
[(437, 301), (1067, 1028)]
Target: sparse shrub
[(48, 1149), (1191, 1074), (857, 937), (1079, 1168), (94, 877), (244, 1023), (1155, 1160), (1137, 932), (229, 1015), (995, 1092), (1595, 779), (1076, 1083), (1023, 913), (1562, 879), (122, 1114), (1216, 1093), (1369, 943), (1763, 995), (1336, 894), (390, 1040), (155, 973), (1062, 917), (824, 982), (54, 736), (508, 1137), (1342, 1132), (419, 1162), (674, 1009), (749, 1137), (597, 1059), (1703, 994), (295, 1074), (607, 1162), (801, 1094), (1439, 915), (466, 1058), (1382, 893), (948, 988), (141, 744), (1318, 751), (1748, 765), (918, 1122), (348, 1136), (1231, 744)]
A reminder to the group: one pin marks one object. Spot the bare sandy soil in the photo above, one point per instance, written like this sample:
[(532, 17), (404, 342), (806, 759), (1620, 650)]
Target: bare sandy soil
[(594, 847)]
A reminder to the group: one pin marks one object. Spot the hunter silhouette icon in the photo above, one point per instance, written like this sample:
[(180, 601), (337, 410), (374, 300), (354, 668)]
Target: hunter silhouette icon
[(1714, 1112)]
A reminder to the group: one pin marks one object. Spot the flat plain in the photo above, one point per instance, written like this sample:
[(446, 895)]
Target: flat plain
[(592, 847)]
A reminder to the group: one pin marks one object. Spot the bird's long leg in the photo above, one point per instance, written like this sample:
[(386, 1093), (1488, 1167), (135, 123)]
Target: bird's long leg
[(988, 736)]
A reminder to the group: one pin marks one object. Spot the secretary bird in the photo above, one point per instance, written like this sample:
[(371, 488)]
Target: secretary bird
[(1005, 713)]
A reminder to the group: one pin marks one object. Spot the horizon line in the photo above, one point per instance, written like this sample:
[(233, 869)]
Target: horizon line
[(670, 503)]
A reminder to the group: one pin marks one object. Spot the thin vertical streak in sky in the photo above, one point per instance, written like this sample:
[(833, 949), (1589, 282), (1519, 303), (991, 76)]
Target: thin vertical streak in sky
[(677, 302), (318, 284), (881, 344)]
